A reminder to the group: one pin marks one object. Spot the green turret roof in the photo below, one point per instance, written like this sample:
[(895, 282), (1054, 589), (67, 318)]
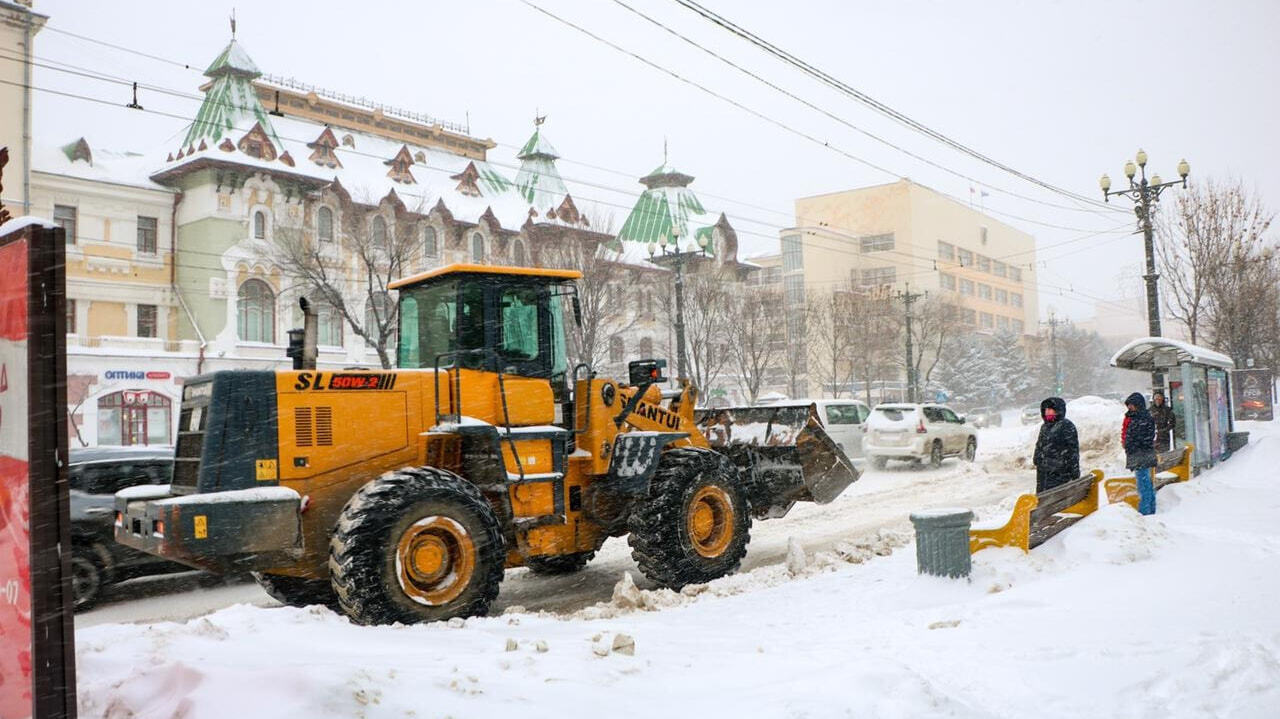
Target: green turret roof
[(539, 181), (230, 102), (666, 205)]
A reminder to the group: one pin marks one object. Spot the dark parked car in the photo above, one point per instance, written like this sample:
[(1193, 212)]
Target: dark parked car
[(96, 474)]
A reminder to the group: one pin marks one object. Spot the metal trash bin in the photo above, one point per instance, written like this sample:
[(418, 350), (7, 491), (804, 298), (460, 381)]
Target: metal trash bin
[(942, 542)]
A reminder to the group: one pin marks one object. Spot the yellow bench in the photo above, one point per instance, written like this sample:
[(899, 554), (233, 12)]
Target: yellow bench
[(1036, 518), (1176, 468)]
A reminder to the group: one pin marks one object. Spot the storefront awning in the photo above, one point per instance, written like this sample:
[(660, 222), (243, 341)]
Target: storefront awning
[(1148, 354)]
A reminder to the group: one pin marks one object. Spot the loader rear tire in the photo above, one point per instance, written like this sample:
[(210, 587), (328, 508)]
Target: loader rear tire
[(297, 591), (563, 564), (416, 545), (695, 524)]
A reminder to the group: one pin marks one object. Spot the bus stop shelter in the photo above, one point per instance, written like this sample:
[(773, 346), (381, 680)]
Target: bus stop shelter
[(1199, 391)]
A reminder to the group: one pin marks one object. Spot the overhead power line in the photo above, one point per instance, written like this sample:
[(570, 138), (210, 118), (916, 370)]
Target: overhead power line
[(871, 102)]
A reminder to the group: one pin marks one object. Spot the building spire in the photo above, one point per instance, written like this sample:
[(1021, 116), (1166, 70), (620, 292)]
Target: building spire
[(539, 181), (233, 23)]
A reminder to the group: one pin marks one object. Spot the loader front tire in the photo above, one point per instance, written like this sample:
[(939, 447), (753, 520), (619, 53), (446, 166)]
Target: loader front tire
[(297, 591), (416, 545), (563, 564), (695, 524)]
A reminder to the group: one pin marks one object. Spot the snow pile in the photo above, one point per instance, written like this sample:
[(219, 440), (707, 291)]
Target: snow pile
[(1171, 615), (1097, 422)]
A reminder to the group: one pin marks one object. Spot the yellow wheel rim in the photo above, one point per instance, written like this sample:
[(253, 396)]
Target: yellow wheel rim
[(710, 521), (435, 559)]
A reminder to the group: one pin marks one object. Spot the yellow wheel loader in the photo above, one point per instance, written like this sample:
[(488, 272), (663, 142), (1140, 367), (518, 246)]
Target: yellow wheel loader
[(402, 495)]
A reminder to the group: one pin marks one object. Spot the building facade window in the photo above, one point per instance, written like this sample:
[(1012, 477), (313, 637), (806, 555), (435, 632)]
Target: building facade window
[(999, 269), (946, 251), (324, 224), (259, 225), (1002, 296), (964, 257), (984, 263), (71, 317), (328, 323), (984, 291), (948, 281), (966, 287), (133, 417), (256, 312), (430, 247), (1015, 299), (986, 320), (617, 350), (982, 234), (792, 259), (147, 230), (378, 231), (875, 276), (1015, 273), (518, 255), (877, 243), (969, 316), (147, 321), (64, 216), (477, 248), (1002, 322), (646, 347)]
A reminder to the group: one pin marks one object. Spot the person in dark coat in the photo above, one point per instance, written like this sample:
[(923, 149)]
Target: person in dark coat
[(1057, 456), (1163, 416), (1138, 436)]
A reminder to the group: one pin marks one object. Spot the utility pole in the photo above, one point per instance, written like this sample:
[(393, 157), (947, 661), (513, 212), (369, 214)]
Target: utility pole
[(1053, 345), (908, 297), (1145, 194)]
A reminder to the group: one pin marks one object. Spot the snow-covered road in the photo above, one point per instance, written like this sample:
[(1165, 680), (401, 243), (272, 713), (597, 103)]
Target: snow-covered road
[(872, 511)]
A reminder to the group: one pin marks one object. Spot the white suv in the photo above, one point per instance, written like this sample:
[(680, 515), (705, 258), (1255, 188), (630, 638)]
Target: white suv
[(916, 432), (843, 419)]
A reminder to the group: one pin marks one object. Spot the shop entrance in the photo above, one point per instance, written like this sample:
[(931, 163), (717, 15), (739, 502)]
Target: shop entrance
[(133, 417)]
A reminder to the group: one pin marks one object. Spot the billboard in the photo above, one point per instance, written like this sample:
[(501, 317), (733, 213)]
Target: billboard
[(37, 652), (16, 633), (1251, 394)]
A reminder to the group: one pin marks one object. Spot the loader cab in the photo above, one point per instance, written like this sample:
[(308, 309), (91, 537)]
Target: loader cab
[(497, 319)]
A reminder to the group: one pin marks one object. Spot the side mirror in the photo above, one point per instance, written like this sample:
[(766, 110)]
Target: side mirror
[(577, 310)]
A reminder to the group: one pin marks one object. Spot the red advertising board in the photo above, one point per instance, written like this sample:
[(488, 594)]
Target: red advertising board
[(37, 670), (16, 635)]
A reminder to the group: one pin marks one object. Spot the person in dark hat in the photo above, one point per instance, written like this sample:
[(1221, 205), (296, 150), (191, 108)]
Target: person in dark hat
[(1057, 456), (1162, 414), (1138, 436)]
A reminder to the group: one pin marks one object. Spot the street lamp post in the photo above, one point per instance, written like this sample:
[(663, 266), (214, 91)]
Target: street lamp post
[(676, 259), (1145, 194)]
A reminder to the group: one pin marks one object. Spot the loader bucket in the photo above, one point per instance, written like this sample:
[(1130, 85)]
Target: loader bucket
[(784, 453)]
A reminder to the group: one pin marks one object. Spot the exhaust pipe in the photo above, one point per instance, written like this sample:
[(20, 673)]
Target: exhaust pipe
[(302, 342)]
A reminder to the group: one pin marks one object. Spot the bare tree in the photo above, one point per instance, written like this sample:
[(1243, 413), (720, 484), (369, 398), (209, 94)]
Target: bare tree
[(935, 320), (349, 275), (609, 309), (756, 335), (873, 335), (1219, 268), (828, 339), (706, 311)]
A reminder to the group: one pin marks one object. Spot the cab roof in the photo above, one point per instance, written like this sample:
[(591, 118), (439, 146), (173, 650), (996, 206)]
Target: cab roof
[(469, 269)]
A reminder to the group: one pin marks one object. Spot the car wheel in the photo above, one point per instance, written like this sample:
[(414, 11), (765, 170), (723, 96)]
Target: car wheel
[(971, 449), (878, 462), (935, 454), (88, 578)]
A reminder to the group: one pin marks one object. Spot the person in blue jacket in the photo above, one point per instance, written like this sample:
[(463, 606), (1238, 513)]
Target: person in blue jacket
[(1138, 435)]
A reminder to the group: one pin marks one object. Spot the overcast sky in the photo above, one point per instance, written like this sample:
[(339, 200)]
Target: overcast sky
[(1063, 91)]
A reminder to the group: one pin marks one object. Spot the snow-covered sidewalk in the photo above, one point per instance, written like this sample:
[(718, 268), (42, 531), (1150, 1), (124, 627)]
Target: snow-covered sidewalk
[(1120, 616)]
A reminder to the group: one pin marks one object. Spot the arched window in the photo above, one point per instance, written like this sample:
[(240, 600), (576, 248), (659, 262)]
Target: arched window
[(518, 256), (324, 224), (646, 347), (259, 225), (429, 246), (477, 248), (256, 316), (378, 231), (617, 350)]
